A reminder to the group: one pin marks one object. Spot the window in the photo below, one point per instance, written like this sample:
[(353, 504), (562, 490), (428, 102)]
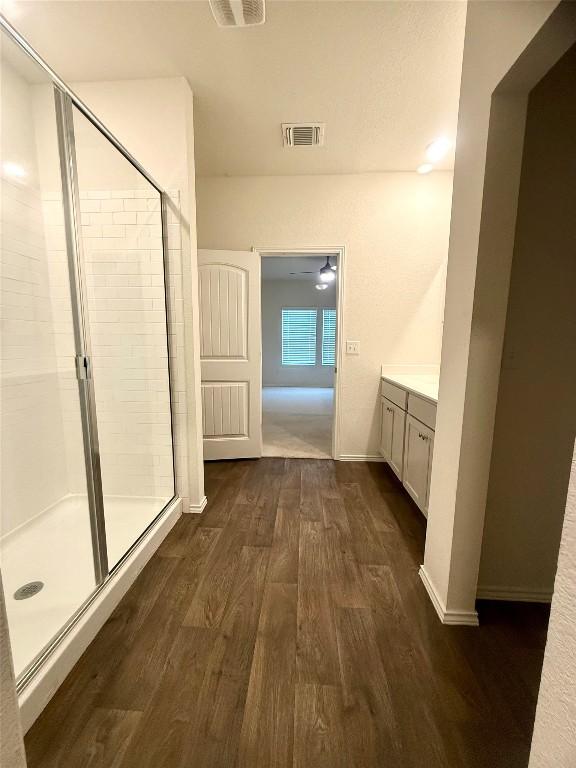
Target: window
[(300, 333), (328, 337), (299, 336)]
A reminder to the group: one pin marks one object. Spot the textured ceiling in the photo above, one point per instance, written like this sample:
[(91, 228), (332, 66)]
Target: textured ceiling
[(294, 267), (383, 75)]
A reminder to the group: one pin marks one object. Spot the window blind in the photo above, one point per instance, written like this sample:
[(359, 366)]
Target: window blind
[(299, 336), (328, 337)]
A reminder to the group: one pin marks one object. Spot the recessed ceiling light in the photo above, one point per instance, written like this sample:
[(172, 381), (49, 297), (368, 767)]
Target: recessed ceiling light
[(321, 286), (425, 168), (14, 170), (437, 149)]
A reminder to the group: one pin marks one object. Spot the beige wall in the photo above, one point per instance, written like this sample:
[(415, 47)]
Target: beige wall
[(481, 243), (554, 739), (292, 293), (536, 414), (394, 227)]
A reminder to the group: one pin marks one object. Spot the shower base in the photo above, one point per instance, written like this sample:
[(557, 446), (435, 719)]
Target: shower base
[(56, 548)]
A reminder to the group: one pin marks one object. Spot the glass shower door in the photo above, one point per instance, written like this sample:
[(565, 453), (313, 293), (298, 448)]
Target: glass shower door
[(87, 460), (46, 545), (126, 315)]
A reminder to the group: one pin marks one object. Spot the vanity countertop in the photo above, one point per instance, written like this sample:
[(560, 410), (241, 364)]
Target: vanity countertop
[(422, 384)]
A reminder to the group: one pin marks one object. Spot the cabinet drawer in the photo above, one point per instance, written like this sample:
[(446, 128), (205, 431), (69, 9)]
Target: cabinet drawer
[(395, 394), (423, 410)]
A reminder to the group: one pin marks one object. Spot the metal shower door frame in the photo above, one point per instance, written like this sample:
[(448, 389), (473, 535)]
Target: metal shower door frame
[(78, 293), (65, 101)]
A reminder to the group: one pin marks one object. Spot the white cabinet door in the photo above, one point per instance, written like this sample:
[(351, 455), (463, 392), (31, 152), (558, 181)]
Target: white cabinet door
[(230, 353), (392, 438), (387, 420), (419, 443)]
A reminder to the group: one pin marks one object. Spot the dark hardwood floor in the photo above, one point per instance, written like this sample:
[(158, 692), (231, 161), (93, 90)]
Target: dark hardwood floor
[(287, 626)]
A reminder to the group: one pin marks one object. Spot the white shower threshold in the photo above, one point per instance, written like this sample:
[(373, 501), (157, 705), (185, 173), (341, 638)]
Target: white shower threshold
[(55, 548)]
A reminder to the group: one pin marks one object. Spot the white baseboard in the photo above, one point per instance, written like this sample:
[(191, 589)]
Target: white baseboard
[(195, 509), (463, 618), (360, 457), (515, 594)]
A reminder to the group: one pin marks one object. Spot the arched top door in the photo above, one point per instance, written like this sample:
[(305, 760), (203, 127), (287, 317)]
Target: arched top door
[(223, 312), (230, 353)]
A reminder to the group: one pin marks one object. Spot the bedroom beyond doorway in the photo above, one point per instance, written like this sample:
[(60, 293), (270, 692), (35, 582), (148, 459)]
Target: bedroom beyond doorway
[(299, 321)]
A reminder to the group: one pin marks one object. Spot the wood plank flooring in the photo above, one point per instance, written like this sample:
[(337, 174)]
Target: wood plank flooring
[(287, 626)]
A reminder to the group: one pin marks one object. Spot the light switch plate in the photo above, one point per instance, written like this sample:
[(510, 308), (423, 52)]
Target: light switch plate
[(352, 347)]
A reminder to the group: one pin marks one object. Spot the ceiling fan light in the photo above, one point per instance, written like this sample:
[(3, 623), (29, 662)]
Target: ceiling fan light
[(326, 272), (321, 286)]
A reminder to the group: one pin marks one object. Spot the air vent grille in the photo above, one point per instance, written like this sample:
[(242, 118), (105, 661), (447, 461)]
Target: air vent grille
[(238, 13), (303, 134)]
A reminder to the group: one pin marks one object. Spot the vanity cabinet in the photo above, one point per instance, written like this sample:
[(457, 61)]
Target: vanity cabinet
[(407, 439), (418, 447), (392, 435)]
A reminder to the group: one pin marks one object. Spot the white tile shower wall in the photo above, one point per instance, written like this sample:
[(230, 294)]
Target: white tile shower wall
[(64, 344), (122, 242), (34, 472)]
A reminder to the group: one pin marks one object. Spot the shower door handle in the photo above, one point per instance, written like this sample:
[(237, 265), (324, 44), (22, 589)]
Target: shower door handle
[(83, 368)]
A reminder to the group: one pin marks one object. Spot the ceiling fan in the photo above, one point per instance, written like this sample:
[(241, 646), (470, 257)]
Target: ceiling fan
[(326, 272)]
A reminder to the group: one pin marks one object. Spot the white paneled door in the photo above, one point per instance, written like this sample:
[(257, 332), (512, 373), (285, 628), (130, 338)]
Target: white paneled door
[(230, 352)]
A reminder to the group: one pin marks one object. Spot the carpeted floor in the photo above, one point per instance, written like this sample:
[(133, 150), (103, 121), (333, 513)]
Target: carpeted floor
[(297, 422)]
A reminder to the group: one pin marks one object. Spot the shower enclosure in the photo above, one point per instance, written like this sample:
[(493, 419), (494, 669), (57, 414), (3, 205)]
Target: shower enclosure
[(87, 459)]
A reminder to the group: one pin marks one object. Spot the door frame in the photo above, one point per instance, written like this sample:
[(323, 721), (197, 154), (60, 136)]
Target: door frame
[(340, 252)]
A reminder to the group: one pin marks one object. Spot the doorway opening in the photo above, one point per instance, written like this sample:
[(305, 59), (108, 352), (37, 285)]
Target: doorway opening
[(527, 523), (531, 456), (300, 314)]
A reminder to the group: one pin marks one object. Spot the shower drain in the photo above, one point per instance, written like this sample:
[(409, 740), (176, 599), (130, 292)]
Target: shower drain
[(28, 590)]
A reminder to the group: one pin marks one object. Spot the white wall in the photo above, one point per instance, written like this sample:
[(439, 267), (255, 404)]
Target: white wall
[(154, 120), (395, 230), (123, 258), (41, 421), (477, 288), (147, 116), (536, 414), (554, 739), (122, 246), (34, 394), (277, 294)]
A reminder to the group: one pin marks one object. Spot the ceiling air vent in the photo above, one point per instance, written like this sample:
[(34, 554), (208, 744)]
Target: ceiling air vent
[(238, 13), (303, 134)]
